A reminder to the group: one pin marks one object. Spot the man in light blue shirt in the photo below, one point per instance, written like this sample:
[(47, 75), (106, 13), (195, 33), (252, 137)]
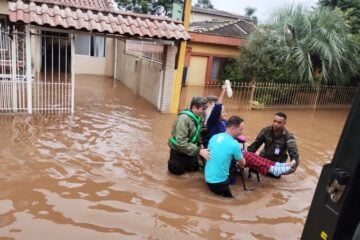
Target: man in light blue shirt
[(224, 148)]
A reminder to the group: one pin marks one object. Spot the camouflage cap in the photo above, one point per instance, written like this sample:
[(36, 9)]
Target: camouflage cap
[(198, 101)]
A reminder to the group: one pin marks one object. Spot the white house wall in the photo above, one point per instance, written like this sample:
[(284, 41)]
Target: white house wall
[(125, 69), (148, 79), (4, 7), (35, 52), (97, 65), (140, 75)]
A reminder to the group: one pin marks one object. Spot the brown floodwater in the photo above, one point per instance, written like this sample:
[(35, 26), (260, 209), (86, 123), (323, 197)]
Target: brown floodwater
[(101, 173)]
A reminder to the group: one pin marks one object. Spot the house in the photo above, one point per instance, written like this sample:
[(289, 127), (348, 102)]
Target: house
[(215, 38), (199, 14), (44, 44)]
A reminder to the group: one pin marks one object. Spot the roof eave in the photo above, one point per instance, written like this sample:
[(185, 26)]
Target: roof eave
[(216, 39), (105, 22)]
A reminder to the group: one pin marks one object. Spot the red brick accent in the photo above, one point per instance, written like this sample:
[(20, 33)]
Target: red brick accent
[(214, 39)]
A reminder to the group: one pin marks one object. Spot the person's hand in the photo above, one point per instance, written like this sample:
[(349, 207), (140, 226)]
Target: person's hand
[(205, 153), (293, 165), (241, 163), (223, 87)]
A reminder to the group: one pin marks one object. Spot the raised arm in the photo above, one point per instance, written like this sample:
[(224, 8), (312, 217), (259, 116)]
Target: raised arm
[(221, 96), (215, 114)]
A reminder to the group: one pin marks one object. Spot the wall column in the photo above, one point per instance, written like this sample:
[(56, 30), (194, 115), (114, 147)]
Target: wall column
[(176, 91), (28, 68), (168, 79)]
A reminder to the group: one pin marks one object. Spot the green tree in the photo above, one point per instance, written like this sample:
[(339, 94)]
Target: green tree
[(163, 7), (317, 43), (138, 6), (257, 61), (154, 7), (351, 9), (204, 4), (249, 12), (301, 46)]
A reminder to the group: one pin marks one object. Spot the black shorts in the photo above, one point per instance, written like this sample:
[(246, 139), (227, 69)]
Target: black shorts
[(179, 163), (221, 189)]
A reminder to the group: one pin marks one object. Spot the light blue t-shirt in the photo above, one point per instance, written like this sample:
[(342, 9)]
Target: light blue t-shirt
[(223, 148)]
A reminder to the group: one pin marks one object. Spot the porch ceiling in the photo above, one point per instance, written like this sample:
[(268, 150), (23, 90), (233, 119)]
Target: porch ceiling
[(95, 15)]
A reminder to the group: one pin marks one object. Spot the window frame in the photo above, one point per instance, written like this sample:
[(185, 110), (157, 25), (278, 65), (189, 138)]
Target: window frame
[(223, 62), (91, 49)]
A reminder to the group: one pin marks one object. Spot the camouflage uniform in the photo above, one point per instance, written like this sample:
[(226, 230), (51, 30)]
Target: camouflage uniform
[(184, 154), (276, 148)]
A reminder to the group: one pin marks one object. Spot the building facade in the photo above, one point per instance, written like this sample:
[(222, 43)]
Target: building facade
[(215, 38), (46, 43)]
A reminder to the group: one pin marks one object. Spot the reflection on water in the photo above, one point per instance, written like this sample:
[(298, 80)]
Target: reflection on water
[(102, 174)]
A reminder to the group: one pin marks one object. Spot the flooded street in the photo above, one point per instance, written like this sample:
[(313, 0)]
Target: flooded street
[(101, 173)]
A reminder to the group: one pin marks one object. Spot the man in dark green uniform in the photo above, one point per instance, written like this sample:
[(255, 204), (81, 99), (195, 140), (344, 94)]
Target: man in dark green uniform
[(185, 142), (279, 142)]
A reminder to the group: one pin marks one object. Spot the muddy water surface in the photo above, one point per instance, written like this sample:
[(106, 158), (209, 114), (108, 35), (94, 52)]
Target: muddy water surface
[(102, 174)]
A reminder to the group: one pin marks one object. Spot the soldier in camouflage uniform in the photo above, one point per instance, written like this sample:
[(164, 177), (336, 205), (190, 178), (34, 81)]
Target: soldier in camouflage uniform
[(185, 142), (279, 142)]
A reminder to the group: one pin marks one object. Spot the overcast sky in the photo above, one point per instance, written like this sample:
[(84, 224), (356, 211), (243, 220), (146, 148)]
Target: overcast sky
[(263, 7)]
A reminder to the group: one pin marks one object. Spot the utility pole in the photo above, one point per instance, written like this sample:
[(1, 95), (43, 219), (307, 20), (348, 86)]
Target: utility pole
[(181, 59)]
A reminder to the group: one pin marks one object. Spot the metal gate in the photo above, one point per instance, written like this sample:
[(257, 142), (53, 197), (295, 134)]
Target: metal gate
[(13, 92), (36, 72)]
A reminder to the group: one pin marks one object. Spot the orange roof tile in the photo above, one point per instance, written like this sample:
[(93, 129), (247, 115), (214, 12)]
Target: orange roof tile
[(95, 15)]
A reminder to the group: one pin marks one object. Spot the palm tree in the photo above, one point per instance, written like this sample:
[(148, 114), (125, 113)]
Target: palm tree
[(316, 44), (249, 12), (204, 4)]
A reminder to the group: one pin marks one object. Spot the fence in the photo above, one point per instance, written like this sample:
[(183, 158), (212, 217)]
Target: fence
[(150, 50), (35, 71), (13, 96), (13, 91), (52, 90), (272, 95)]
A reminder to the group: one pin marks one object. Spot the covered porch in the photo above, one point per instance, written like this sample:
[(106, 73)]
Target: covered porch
[(61, 39)]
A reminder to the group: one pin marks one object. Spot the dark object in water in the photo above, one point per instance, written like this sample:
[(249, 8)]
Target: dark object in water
[(335, 209)]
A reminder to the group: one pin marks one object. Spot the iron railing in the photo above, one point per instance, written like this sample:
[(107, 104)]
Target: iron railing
[(145, 49), (273, 95), (49, 85), (12, 71)]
